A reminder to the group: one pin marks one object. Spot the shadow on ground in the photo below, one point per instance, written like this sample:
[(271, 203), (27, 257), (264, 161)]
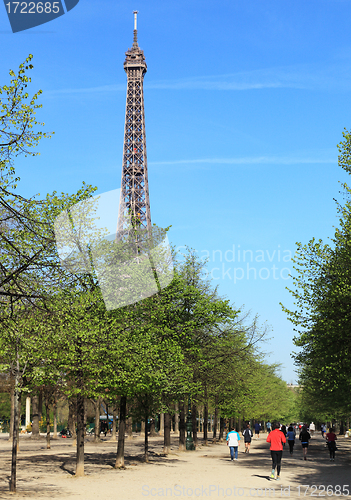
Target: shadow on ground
[(39, 464), (99, 459)]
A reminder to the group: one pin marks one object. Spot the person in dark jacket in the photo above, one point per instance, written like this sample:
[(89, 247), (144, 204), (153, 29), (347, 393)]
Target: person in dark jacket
[(304, 438), (247, 438), (283, 429), (331, 438), (257, 430)]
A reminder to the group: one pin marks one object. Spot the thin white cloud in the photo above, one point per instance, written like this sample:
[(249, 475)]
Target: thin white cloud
[(89, 90), (221, 82), (336, 75), (303, 76), (255, 160)]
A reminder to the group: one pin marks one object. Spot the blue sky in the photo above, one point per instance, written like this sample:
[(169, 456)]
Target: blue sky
[(245, 102)]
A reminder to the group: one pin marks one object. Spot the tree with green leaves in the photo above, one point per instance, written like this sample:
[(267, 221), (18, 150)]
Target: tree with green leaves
[(19, 131), (30, 271), (322, 316)]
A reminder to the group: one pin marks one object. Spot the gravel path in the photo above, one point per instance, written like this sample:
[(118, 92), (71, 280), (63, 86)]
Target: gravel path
[(205, 473)]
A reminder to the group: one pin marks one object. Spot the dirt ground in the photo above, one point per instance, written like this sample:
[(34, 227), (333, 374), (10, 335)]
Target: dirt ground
[(205, 473)]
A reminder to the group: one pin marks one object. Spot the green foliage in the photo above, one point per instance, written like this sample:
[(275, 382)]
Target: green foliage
[(344, 148), (31, 276), (322, 316), (27, 242), (18, 126)]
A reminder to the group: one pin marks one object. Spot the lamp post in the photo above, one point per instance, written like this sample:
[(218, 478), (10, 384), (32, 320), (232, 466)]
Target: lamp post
[(189, 429)]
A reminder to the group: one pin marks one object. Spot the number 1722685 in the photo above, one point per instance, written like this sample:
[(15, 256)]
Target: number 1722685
[(33, 7), (313, 490)]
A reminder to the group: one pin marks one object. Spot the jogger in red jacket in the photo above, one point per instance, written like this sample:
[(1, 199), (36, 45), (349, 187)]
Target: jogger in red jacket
[(276, 438)]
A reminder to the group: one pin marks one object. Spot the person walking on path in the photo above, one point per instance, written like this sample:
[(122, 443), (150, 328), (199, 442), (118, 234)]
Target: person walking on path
[(291, 438), (312, 429), (304, 438), (257, 430), (331, 441), (283, 429), (233, 441), (269, 426), (323, 429), (247, 438), (276, 438)]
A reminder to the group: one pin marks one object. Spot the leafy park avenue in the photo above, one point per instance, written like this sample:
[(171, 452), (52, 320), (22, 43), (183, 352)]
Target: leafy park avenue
[(184, 358), (206, 473)]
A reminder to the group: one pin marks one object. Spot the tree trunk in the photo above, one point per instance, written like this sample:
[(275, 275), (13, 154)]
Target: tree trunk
[(54, 436), (114, 425), (70, 416), (121, 433), (129, 428), (176, 418), (215, 423), (80, 436), (72, 419), (15, 431), (167, 433), (97, 421), (85, 417), (181, 426), (107, 428), (40, 406), (35, 417), (152, 427), (27, 418), (146, 442), (162, 424), (47, 409), (221, 429), (205, 423), (194, 424), (12, 415)]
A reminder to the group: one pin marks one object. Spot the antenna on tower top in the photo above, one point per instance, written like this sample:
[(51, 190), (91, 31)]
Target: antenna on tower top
[(135, 41)]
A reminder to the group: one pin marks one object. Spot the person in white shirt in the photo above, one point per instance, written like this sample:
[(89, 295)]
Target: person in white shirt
[(312, 429), (233, 441)]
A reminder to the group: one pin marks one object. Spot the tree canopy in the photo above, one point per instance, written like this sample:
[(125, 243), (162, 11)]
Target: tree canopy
[(322, 317)]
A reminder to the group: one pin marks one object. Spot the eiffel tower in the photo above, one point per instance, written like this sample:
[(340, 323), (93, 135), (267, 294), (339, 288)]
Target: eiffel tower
[(134, 203)]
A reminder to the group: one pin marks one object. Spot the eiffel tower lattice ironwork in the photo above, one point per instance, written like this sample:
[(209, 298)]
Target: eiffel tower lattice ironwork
[(135, 201)]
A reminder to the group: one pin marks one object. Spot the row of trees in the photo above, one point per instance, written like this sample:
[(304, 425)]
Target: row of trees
[(144, 357), (322, 317)]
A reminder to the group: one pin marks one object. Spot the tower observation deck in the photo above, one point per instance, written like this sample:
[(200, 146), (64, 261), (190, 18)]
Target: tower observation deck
[(135, 201)]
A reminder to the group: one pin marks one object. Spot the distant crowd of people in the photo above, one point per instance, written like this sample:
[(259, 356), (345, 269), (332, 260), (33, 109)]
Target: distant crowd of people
[(277, 437)]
